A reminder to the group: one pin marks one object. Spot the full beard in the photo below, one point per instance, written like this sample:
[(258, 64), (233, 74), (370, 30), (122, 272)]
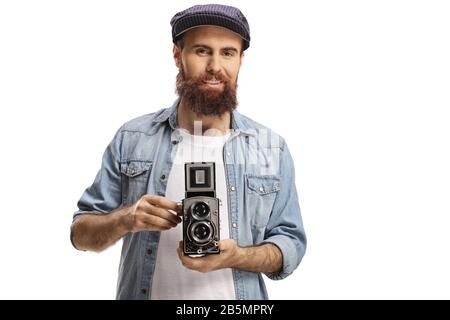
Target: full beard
[(206, 101)]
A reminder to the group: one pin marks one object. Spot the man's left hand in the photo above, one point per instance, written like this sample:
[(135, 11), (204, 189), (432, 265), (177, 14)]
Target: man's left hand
[(228, 254)]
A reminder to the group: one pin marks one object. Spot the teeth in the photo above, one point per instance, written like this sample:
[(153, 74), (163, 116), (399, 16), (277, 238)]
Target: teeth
[(212, 81)]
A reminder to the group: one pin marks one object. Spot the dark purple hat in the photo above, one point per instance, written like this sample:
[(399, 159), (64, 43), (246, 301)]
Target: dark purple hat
[(211, 14)]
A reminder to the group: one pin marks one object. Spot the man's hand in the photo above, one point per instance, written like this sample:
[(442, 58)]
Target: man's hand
[(265, 258), (226, 258), (151, 213), (96, 231)]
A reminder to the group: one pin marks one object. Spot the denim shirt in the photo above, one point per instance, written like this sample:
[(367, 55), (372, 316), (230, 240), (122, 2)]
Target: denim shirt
[(263, 205)]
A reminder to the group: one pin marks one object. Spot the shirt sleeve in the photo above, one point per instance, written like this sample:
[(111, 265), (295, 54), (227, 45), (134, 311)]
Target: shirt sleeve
[(285, 226), (105, 193)]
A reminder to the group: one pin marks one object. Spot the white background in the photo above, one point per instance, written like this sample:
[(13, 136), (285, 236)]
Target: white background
[(359, 89)]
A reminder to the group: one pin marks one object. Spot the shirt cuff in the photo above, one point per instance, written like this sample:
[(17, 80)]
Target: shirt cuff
[(289, 253)]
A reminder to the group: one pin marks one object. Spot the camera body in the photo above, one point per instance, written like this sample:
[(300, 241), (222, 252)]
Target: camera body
[(201, 233)]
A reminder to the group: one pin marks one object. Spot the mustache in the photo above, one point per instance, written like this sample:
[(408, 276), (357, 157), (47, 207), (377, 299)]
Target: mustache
[(208, 77)]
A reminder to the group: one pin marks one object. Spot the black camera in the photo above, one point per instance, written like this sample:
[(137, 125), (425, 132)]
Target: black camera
[(201, 233)]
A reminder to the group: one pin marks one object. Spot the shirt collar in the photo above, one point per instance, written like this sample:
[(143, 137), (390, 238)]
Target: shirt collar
[(238, 123)]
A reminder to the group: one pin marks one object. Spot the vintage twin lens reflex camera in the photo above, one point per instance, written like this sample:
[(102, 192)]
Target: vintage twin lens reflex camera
[(200, 209)]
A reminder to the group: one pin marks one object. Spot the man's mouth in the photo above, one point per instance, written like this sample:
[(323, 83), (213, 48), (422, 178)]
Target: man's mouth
[(213, 83)]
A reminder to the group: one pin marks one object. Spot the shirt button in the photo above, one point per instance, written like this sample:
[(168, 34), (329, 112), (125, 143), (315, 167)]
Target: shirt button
[(163, 177), (234, 225), (174, 142), (228, 154), (149, 251), (233, 188), (261, 189)]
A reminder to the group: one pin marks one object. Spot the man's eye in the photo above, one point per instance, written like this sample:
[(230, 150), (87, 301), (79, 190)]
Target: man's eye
[(228, 54), (201, 51)]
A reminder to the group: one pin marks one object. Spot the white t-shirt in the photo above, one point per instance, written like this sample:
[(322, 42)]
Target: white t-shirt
[(171, 279)]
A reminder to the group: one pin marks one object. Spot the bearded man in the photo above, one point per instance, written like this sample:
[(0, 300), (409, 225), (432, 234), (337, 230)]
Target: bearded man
[(136, 194)]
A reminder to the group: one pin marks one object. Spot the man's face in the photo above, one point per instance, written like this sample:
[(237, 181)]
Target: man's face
[(209, 64)]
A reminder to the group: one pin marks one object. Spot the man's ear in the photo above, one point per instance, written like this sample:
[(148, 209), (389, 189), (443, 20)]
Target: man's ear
[(177, 55), (242, 58)]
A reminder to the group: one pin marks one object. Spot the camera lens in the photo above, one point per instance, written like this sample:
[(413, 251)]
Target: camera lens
[(201, 231), (200, 210)]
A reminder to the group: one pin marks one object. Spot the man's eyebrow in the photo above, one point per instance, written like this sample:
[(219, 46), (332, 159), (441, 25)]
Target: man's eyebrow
[(204, 46), (230, 49)]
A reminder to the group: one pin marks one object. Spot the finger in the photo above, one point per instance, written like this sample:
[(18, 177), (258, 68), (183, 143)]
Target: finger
[(222, 245), (226, 244), (147, 216), (162, 202), (180, 253), (165, 214), (155, 221), (185, 260), (178, 211), (160, 212)]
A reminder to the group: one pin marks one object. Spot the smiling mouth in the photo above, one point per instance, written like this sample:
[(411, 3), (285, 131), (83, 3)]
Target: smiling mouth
[(212, 82), (214, 85)]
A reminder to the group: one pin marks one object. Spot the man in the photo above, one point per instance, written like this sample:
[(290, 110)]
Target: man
[(136, 194)]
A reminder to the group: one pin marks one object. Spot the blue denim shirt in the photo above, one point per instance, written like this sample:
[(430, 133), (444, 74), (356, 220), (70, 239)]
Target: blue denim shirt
[(263, 204)]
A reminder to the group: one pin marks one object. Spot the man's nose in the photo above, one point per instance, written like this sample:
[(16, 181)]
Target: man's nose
[(213, 65)]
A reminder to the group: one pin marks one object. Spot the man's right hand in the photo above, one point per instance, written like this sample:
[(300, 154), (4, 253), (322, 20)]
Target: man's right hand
[(151, 213)]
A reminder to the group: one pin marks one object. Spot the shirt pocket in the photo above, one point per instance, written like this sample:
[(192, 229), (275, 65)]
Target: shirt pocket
[(135, 177), (260, 194)]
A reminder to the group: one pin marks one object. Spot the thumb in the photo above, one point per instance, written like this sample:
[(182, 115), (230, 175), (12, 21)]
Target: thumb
[(226, 244)]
